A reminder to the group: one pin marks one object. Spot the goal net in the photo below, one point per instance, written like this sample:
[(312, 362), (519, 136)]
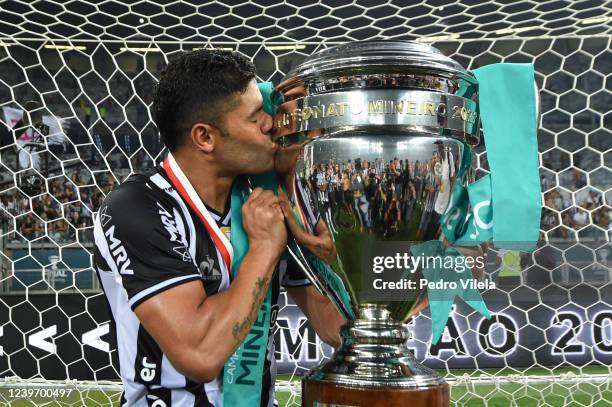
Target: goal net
[(76, 83)]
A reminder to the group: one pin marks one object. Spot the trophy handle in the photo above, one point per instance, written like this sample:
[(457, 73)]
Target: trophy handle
[(306, 269), (323, 278)]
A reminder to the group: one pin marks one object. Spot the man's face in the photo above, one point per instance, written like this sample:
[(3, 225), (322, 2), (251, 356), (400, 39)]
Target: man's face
[(247, 147)]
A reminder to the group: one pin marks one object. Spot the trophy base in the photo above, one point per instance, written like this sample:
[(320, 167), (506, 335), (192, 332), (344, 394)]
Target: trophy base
[(373, 367), (322, 394)]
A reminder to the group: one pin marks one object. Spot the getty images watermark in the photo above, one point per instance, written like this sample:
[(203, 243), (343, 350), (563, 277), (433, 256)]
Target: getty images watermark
[(411, 264), (400, 271)]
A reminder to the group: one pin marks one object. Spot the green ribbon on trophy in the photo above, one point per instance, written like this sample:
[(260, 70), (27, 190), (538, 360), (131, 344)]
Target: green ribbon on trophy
[(503, 206), (505, 203)]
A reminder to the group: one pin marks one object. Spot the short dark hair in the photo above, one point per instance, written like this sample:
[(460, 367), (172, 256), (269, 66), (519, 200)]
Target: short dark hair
[(198, 86)]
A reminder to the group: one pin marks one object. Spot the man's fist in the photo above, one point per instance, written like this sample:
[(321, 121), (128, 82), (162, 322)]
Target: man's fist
[(264, 222)]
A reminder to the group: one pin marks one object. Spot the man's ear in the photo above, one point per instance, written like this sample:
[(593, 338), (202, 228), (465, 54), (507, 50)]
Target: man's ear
[(204, 136)]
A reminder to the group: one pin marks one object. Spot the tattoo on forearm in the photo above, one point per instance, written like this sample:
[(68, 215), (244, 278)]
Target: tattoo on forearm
[(241, 328)]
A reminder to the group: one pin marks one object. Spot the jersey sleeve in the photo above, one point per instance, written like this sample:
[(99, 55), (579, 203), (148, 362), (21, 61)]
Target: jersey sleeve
[(293, 276), (141, 239)]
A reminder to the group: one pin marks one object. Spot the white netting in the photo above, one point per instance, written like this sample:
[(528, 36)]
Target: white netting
[(92, 68)]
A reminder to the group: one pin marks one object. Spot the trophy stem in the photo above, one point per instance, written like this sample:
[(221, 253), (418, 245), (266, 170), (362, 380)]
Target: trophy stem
[(373, 367), (375, 325)]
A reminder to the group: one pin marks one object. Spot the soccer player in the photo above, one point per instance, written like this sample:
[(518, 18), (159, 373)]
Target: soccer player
[(162, 241)]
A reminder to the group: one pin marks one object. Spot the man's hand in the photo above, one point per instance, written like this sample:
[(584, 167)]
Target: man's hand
[(320, 244), (264, 222), (321, 313)]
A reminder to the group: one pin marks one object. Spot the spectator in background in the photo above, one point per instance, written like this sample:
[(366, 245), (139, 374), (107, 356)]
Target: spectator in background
[(76, 179), (549, 219), (579, 178), (31, 227), (108, 185), (25, 206), (558, 201), (45, 205), (567, 201), (580, 218), (545, 183), (549, 200), (566, 219), (592, 200), (56, 185), (58, 230), (86, 110), (11, 206), (85, 212), (65, 194), (42, 223), (77, 220), (86, 215)]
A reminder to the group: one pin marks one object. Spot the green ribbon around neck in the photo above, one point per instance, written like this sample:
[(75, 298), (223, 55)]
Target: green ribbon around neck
[(243, 372)]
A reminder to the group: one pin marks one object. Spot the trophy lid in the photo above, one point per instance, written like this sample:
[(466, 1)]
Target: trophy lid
[(379, 57), (378, 83)]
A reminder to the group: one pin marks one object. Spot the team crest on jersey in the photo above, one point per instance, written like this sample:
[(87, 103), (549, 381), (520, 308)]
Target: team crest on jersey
[(104, 218), (183, 252), (208, 271)]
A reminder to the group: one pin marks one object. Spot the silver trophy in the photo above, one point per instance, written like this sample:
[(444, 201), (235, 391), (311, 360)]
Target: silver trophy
[(374, 136)]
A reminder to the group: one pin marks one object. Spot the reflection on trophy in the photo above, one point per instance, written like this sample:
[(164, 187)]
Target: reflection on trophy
[(374, 136)]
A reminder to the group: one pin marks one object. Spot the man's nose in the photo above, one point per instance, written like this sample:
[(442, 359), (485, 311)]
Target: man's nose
[(266, 124)]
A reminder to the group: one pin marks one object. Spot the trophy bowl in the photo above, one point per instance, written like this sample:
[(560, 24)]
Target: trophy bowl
[(374, 136)]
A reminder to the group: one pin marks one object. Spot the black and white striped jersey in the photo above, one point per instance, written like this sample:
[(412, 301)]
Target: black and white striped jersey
[(147, 241)]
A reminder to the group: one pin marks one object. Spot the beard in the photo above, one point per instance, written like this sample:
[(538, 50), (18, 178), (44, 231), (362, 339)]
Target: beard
[(244, 158)]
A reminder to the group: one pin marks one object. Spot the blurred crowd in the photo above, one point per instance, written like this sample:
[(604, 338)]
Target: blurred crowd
[(560, 215), (386, 195), (64, 208)]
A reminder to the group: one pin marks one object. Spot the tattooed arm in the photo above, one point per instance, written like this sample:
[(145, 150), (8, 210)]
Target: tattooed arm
[(199, 333)]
